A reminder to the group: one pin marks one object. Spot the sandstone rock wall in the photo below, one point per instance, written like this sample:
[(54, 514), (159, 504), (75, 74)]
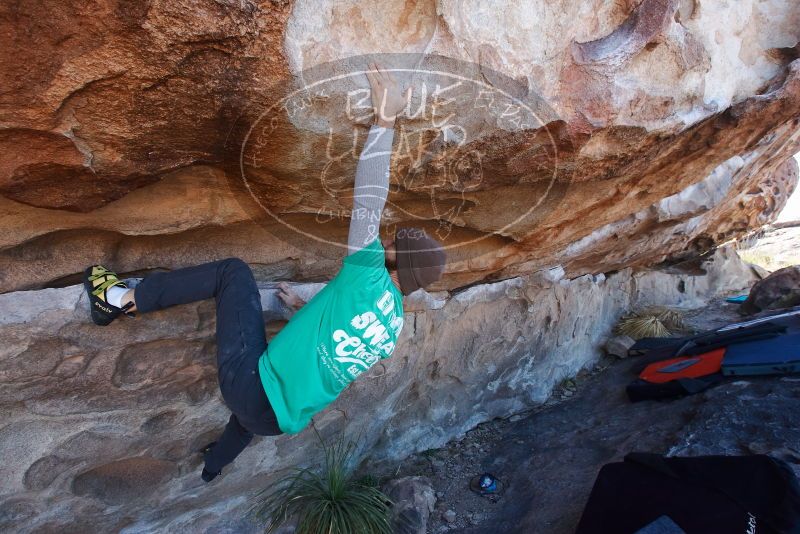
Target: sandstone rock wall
[(101, 424), (582, 142), (123, 125)]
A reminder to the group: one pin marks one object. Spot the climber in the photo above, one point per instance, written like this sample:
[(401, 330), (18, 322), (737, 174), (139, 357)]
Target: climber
[(338, 335)]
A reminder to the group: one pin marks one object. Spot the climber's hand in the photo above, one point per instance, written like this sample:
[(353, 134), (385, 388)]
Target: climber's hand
[(289, 297), (387, 100)]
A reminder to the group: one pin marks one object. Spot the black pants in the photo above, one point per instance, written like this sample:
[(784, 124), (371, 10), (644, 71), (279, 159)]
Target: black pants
[(240, 341)]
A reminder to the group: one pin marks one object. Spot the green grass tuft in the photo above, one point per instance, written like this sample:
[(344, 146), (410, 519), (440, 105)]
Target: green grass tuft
[(332, 501)]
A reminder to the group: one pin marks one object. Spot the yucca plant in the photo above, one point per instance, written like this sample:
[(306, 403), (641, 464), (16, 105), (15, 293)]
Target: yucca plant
[(332, 501), (652, 322)]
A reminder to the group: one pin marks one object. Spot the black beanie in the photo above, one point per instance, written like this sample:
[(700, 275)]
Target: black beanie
[(420, 259)]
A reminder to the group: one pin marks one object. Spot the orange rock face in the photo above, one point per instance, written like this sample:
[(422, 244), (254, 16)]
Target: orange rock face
[(557, 145), (161, 134)]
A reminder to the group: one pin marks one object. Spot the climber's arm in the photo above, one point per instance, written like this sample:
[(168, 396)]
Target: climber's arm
[(372, 172), (371, 188)]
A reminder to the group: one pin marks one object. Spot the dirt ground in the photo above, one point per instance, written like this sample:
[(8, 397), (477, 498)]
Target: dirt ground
[(548, 457)]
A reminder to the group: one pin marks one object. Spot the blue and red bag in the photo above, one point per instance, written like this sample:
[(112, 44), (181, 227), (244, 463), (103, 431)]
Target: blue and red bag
[(676, 377)]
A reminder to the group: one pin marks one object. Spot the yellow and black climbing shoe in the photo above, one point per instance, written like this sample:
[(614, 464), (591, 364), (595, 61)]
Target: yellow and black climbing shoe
[(97, 280)]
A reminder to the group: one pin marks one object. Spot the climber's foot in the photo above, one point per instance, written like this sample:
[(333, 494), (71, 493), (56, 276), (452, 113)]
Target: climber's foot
[(207, 475), (97, 280)]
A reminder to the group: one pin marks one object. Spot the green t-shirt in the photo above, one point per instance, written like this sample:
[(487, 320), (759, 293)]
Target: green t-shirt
[(340, 333)]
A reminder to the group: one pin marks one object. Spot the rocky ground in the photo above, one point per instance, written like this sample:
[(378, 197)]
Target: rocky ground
[(548, 458)]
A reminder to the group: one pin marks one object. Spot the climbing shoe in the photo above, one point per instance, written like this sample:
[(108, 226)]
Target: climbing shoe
[(207, 475), (97, 280)]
